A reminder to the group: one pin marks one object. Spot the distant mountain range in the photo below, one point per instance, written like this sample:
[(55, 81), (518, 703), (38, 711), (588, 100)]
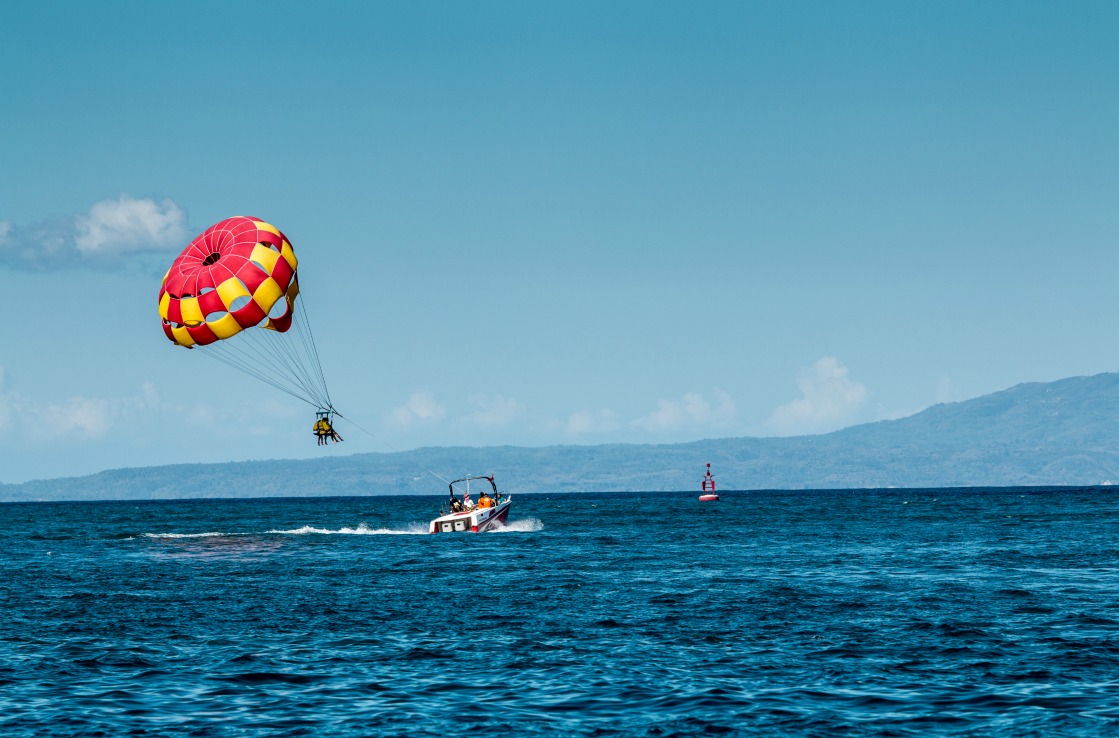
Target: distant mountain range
[(1057, 433)]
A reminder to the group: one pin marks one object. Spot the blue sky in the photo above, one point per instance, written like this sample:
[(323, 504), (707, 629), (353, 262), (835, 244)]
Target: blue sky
[(541, 223)]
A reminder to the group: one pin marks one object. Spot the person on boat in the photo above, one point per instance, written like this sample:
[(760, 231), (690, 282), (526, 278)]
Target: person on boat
[(456, 506), (484, 500)]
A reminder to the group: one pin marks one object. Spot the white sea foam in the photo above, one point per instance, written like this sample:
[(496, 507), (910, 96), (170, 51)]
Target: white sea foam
[(524, 525), (361, 530), (186, 535)]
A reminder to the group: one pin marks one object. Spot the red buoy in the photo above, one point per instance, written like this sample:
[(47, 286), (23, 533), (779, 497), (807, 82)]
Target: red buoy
[(708, 487)]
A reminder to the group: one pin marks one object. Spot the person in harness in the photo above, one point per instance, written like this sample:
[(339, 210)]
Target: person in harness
[(324, 431)]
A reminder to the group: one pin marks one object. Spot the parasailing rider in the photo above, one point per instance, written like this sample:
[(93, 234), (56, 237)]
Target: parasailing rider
[(324, 431)]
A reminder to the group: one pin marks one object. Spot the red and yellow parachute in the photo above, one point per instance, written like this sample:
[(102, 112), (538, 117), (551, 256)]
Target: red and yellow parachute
[(236, 278), (229, 279)]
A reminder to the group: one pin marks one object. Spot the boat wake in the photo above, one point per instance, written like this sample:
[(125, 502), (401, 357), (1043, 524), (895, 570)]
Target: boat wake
[(190, 535), (361, 530), (525, 525), (530, 525)]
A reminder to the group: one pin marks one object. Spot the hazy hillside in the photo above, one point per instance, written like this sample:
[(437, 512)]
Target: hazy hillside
[(1059, 433)]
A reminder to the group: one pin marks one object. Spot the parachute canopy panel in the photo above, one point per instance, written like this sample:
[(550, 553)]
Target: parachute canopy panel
[(238, 274)]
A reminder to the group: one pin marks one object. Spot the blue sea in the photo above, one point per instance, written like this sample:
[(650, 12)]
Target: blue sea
[(888, 613)]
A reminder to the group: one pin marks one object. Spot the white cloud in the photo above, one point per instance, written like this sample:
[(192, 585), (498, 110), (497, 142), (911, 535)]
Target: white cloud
[(84, 417), (829, 400), (693, 411), (93, 418), (589, 422), (110, 229), (126, 224), (493, 411), (256, 416), (420, 407)]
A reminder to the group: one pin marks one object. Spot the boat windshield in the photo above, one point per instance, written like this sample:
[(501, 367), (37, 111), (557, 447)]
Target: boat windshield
[(464, 485)]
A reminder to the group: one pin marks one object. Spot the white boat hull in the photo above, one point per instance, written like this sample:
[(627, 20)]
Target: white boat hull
[(478, 520)]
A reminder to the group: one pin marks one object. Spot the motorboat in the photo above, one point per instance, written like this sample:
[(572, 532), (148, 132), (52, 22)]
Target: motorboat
[(708, 488), (488, 512)]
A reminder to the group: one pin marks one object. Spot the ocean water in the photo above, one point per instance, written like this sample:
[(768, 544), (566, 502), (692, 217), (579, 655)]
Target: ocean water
[(894, 613)]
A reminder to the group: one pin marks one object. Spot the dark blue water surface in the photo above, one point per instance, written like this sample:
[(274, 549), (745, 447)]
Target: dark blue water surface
[(941, 612)]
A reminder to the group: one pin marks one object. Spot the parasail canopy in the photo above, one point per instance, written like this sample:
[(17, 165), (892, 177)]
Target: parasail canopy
[(233, 292), (229, 279)]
